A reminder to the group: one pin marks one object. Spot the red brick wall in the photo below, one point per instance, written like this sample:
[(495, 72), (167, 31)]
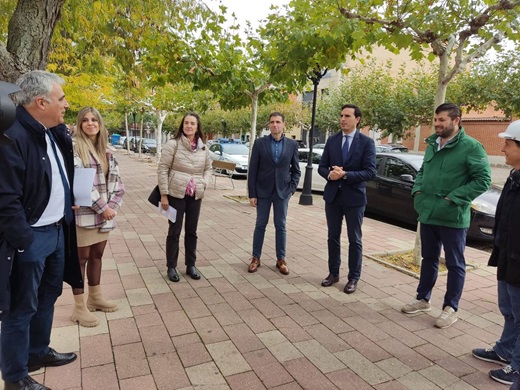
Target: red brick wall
[(484, 131)]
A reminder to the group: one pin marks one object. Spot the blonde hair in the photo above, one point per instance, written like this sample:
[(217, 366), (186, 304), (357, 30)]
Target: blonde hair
[(84, 145)]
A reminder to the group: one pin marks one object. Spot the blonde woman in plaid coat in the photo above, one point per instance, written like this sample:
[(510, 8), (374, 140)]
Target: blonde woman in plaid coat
[(94, 223)]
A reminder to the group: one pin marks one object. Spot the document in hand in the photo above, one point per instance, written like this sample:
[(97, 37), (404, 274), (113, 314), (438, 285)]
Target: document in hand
[(171, 213), (83, 182)]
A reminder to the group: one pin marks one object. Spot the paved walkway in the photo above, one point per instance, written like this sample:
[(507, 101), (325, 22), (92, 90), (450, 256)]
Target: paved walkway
[(234, 330)]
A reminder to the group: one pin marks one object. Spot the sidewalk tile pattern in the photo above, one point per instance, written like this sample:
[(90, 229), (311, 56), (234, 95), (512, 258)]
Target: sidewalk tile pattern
[(234, 330)]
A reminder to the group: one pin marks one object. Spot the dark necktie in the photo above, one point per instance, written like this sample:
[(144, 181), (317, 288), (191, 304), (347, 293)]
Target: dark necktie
[(344, 150), (68, 205)]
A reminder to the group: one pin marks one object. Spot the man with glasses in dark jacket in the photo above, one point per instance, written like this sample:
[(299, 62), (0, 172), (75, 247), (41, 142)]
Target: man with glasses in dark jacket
[(506, 256), (37, 225)]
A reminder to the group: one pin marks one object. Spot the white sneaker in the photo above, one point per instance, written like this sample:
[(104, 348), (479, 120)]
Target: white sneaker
[(447, 318), (416, 306)]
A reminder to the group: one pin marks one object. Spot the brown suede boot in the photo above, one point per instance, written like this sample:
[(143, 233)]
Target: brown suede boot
[(95, 300), (81, 314)]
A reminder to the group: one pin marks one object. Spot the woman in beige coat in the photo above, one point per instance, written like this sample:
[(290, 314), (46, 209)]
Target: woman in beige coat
[(184, 172)]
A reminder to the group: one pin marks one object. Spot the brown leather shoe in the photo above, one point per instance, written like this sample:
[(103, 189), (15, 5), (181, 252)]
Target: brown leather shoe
[(330, 280), (255, 263), (282, 266), (350, 287)]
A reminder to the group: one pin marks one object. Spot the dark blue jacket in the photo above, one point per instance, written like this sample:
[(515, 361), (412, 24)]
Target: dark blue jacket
[(360, 167), (264, 175), (506, 248), (25, 185)]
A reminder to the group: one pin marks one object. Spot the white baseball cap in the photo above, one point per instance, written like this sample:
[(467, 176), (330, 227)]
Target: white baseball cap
[(512, 131)]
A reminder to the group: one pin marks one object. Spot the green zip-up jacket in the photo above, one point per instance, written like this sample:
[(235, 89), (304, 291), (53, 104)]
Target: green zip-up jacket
[(449, 180)]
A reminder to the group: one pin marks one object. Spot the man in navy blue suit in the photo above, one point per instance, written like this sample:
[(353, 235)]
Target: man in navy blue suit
[(272, 179), (348, 162)]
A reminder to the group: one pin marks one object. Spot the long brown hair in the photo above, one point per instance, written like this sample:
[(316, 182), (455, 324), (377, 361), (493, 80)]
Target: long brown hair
[(84, 145), (198, 134)]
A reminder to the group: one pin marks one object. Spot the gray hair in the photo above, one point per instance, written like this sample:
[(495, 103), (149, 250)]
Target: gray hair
[(35, 84)]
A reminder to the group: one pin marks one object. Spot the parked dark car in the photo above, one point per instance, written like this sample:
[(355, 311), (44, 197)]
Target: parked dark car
[(148, 145), (391, 148), (389, 195)]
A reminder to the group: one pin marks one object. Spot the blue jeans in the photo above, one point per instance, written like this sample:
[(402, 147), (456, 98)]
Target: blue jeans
[(508, 347), (36, 284), (263, 208), (334, 213), (454, 242)]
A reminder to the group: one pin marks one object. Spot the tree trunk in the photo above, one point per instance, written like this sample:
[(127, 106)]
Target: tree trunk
[(140, 143), (252, 132), (29, 37), (127, 134), (161, 116), (254, 116), (440, 97), (442, 85)]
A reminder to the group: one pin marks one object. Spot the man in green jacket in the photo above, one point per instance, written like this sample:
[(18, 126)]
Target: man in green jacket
[(455, 171)]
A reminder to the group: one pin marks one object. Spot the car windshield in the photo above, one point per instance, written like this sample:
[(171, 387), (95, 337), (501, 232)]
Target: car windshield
[(414, 160), (235, 149), (149, 141)]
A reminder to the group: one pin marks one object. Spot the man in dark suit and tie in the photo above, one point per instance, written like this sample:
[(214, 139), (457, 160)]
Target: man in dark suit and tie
[(272, 179), (348, 162)]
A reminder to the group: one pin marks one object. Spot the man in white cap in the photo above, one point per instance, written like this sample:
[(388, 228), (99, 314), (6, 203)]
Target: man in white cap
[(506, 257)]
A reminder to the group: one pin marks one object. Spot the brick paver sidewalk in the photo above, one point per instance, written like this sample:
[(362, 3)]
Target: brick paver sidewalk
[(234, 330)]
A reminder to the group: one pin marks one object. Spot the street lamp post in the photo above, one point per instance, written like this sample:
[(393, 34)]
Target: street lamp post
[(134, 138), (306, 196)]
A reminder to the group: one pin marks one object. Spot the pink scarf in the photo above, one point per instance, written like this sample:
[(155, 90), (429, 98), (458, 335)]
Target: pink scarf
[(191, 188)]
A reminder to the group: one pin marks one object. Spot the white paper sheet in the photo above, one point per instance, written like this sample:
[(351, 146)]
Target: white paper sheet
[(83, 182), (171, 213)]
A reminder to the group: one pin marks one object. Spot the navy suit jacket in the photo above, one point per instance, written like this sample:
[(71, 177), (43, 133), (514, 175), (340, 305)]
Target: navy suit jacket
[(265, 176), (360, 167)]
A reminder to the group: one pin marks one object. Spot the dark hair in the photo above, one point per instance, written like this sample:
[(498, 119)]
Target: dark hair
[(198, 134), (357, 111), (276, 113), (451, 108)]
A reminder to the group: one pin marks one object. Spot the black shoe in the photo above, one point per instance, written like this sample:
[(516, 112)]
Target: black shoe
[(193, 272), (52, 359), (330, 280), (26, 383), (350, 287), (173, 275)]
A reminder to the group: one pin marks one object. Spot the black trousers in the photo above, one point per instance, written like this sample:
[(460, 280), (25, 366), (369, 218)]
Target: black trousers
[(188, 209)]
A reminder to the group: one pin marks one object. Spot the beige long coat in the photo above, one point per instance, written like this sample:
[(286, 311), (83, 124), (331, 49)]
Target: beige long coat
[(175, 172)]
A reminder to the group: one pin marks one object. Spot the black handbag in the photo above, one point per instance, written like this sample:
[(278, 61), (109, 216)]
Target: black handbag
[(155, 197)]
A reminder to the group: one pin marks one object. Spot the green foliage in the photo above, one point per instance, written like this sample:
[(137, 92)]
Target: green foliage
[(228, 122), (391, 104), (497, 82), (6, 10), (426, 26), (308, 37), (454, 33)]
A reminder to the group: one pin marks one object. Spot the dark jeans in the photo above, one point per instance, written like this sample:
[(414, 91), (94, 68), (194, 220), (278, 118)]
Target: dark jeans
[(335, 212), (189, 209), (263, 208), (508, 347), (36, 284), (454, 242)]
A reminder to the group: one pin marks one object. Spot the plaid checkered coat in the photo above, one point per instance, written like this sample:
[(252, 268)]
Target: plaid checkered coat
[(106, 192)]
